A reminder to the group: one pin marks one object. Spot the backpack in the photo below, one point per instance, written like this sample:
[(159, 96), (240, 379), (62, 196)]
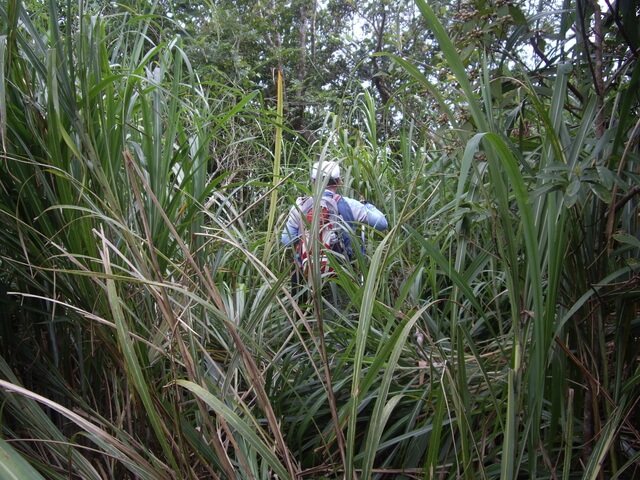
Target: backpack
[(328, 231)]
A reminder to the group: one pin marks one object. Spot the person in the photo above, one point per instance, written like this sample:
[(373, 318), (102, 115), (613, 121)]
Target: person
[(325, 177)]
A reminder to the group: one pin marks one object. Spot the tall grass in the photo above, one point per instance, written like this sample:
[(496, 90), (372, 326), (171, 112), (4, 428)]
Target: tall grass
[(107, 181), (543, 234), (149, 329)]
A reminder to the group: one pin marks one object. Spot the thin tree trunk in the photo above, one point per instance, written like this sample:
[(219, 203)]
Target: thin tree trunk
[(378, 77), (598, 80), (301, 75)]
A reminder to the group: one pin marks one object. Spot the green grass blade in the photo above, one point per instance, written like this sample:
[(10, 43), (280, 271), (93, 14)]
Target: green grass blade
[(240, 426), (435, 444), (13, 466), (383, 407), (455, 63), (273, 205), (368, 293), (131, 360), (109, 444)]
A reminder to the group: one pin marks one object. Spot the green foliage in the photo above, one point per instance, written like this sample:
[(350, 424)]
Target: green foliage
[(148, 329)]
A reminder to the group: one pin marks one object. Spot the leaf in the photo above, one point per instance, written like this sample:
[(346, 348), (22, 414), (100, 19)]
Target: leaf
[(552, 177), (14, 466), (601, 192), (243, 429), (383, 408), (571, 195), (455, 63), (518, 16), (606, 177), (627, 239), (132, 363)]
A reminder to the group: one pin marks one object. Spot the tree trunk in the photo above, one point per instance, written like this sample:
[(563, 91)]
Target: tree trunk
[(298, 110), (377, 75)]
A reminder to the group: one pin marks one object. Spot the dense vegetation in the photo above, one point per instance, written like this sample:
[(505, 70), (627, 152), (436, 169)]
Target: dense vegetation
[(149, 156)]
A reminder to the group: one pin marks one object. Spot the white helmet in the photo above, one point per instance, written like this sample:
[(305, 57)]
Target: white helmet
[(331, 169)]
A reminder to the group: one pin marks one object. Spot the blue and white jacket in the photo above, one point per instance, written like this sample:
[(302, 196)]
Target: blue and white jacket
[(352, 211)]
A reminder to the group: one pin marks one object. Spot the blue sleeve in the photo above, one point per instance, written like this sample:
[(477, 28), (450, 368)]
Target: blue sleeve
[(376, 218), (367, 214), (290, 233)]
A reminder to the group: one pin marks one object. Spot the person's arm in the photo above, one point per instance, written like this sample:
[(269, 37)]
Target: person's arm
[(367, 213), (291, 231), (375, 217)]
